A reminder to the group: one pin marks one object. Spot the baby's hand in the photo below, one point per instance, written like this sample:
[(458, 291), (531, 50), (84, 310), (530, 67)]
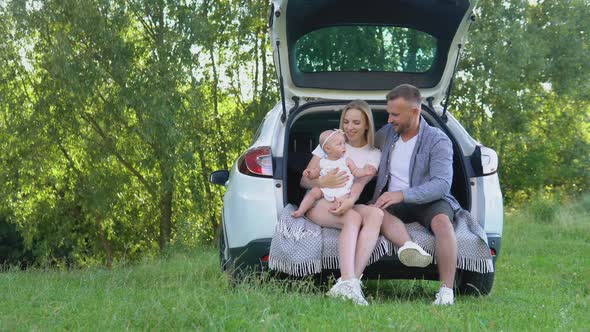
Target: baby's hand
[(341, 205), (365, 171), (351, 165), (335, 204), (370, 170)]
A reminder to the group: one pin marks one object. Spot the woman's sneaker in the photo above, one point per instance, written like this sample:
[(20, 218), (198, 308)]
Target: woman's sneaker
[(349, 290), (411, 254), (358, 290), (444, 296)]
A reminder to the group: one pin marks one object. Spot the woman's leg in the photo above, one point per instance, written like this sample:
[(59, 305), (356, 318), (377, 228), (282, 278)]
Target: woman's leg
[(372, 218), (349, 223)]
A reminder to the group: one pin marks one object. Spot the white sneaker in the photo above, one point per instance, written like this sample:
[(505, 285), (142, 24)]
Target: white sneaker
[(444, 296), (349, 290), (358, 290), (335, 290), (411, 254)]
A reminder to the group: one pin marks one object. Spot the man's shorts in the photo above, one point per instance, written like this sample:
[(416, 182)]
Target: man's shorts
[(422, 213)]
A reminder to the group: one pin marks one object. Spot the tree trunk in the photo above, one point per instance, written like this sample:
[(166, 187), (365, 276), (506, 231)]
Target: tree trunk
[(166, 200), (104, 241), (208, 193), (263, 92), (222, 154)]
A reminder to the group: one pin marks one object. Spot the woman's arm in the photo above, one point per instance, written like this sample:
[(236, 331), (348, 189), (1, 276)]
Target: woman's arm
[(356, 191)]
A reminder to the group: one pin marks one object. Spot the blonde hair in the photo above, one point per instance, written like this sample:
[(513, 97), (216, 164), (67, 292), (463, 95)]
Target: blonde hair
[(362, 106)]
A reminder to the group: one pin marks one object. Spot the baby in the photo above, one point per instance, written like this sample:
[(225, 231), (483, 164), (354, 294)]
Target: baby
[(333, 144)]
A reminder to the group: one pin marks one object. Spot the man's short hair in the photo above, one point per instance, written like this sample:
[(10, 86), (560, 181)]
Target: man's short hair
[(408, 92)]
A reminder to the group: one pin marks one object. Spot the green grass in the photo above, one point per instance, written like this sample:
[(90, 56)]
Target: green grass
[(542, 283)]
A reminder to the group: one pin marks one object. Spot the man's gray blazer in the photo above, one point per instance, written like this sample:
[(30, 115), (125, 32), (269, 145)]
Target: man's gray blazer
[(431, 166)]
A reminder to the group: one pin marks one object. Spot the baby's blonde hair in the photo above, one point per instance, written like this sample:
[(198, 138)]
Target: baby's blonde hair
[(327, 134)]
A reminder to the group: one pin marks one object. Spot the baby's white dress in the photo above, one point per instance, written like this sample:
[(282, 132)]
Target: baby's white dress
[(327, 165)]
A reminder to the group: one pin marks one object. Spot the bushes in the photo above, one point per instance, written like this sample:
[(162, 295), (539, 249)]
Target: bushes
[(551, 207)]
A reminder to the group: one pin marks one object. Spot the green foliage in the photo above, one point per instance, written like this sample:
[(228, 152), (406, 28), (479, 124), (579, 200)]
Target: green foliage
[(542, 209), (523, 89), (365, 48), (113, 114)]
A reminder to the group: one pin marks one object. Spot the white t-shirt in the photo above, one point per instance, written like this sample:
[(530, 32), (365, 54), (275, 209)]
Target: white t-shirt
[(399, 164), (361, 156)]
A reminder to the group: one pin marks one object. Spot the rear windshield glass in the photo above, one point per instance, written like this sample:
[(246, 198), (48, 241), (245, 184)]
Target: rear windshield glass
[(365, 48)]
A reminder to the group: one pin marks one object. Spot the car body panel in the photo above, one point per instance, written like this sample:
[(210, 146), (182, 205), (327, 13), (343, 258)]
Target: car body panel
[(249, 210), (253, 204)]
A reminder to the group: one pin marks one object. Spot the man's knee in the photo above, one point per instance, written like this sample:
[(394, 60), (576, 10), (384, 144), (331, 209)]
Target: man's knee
[(441, 224), (388, 220)]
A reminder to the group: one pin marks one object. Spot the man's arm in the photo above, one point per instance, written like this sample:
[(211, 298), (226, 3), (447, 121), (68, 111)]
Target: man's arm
[(441, 175)]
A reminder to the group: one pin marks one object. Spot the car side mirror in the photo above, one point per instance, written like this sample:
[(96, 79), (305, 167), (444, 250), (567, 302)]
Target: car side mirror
[(219, 177), (484, 161)]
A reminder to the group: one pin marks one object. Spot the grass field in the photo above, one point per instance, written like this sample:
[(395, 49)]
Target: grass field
[(542, 283)]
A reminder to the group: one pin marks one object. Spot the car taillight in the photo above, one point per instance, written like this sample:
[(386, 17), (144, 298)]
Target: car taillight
[(257, 162)]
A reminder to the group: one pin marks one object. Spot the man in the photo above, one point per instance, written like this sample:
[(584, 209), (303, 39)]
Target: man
[(416, 169)]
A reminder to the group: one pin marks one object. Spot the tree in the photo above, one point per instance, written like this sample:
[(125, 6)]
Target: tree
[(522, 88), (112, 117)]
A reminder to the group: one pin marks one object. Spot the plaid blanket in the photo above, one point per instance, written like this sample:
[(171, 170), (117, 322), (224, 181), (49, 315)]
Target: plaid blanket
[(299, 247)]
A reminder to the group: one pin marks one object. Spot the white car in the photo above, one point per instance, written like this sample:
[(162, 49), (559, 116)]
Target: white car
[(326, 53)]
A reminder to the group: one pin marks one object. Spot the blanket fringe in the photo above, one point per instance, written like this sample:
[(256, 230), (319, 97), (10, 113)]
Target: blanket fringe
[(330, 262), (383, 248), (475, 265), (298, 269), (301, 269)]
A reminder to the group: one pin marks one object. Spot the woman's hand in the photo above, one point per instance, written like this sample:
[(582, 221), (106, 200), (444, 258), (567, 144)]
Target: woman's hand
[(345, 205), (334, 179)]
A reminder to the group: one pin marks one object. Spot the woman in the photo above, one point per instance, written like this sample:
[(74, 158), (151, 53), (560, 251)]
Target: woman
[(359, 224)]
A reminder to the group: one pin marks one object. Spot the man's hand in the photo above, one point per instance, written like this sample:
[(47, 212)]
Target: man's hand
[(345, 205), (389, 198), (334, 179)]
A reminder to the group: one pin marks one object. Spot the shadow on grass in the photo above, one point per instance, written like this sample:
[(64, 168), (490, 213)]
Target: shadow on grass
[(374, 290), (400, 290)]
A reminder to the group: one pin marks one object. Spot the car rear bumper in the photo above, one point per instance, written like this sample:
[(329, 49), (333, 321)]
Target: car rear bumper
[(254, 257)]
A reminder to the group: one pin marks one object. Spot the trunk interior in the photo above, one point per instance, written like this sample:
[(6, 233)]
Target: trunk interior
[(310, 120)]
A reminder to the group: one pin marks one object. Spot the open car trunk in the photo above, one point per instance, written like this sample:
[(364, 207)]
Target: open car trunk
[(350, 49), (309, 120)]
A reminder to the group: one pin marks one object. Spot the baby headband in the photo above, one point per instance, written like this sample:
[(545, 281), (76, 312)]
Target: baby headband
[(330, 136)]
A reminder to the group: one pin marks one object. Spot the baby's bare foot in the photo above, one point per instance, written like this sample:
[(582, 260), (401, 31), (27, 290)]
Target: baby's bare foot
[(297, 214)]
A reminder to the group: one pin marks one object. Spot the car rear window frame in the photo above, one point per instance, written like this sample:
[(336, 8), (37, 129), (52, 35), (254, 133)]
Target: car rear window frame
[(433, 50)]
